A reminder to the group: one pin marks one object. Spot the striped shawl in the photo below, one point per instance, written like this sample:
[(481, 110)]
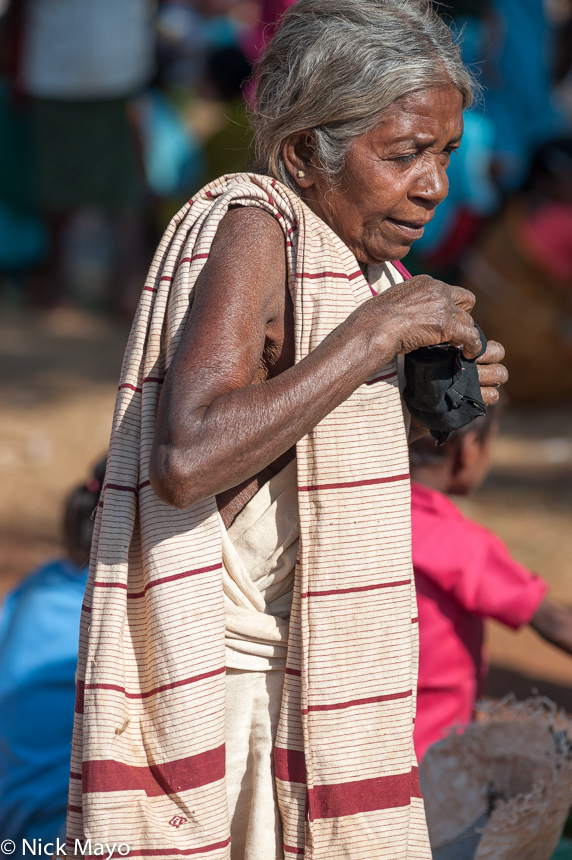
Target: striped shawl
[(148, 763)]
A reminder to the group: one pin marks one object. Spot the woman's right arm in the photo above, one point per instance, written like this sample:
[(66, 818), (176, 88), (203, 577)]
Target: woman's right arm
[(214, 427)]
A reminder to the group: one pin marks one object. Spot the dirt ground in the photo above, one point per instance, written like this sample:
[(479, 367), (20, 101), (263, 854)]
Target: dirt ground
[(57, 392), (56, 401)]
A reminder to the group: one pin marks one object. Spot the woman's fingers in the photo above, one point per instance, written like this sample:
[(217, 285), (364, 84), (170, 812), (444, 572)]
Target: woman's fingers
[(492, 375), (490, 396), (493, 354), (463, 298), (468, 337)]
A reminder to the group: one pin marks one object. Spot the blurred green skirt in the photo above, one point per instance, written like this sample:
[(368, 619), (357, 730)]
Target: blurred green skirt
[(85, 155)]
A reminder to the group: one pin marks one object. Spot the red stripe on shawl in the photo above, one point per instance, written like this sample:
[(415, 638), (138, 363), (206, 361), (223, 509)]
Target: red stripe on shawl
[(85, 608), (150, 289), (144, 484), (158, 779), (173, 578), (167, 852), (166, 278), (390, 697), (128, 385), (289, 765), (193, 258), (132, 595), (75, 775), (172, 686), (79, 697), (75, 809), (343, 484), (312, 275), (356, 589), (121, 487), (290, 850), (289, 671), (158, 379), (391, 375), (365, 795)]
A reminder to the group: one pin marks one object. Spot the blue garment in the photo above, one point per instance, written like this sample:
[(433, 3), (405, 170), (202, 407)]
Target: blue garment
[(519, 87), (172, 155), (39, 631)]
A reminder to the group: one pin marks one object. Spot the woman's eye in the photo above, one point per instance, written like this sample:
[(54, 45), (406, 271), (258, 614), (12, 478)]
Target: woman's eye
[(406, 159)]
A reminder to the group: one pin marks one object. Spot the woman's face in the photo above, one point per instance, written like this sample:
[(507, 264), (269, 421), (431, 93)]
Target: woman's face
[(395, 175)]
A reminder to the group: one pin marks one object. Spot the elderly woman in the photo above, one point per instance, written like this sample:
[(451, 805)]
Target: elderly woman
[(249, 642)]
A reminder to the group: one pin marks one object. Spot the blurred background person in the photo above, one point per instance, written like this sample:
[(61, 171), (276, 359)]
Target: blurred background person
[(464, 574), (78, 63), (23, 236), (520, 269), (39, 628), (115, 113)]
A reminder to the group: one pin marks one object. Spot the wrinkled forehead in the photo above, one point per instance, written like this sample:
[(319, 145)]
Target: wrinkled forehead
[(433, 114)]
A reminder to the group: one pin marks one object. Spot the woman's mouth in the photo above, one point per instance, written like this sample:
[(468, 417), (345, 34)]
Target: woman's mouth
[(410, 229)]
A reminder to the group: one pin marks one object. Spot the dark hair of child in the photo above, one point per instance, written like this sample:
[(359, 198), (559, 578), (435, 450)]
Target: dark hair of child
[(426, 452), (78, 522)]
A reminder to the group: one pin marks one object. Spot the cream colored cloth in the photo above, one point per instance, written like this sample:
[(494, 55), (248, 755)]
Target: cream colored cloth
[(259, 556), (253, 702), (148, 758)]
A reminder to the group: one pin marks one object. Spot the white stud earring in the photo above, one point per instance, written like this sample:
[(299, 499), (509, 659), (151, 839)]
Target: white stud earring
[(301, 173)]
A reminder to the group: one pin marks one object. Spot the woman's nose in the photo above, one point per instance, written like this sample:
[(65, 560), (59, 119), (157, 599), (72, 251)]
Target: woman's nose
[(433, 184)]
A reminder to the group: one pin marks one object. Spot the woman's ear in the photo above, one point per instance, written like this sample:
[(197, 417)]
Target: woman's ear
[(297, 154)]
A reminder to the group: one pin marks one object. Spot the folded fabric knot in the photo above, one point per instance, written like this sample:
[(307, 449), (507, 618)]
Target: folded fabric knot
[(442, 389)]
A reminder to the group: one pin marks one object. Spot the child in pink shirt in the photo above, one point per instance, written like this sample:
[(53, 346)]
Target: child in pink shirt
[(464, 574)]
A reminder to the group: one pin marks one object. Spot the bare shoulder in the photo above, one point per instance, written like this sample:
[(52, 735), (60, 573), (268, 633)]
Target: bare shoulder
[(247, 258), (247, 225), (239, 302)]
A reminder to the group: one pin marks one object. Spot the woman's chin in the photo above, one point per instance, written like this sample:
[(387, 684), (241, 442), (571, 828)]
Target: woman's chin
[(388, 253)]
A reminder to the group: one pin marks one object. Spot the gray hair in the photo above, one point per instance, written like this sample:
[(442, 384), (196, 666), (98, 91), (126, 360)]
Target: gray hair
[(335, 65)]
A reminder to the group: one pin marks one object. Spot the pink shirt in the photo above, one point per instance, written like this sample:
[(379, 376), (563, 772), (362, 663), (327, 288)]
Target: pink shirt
[(463, 574)]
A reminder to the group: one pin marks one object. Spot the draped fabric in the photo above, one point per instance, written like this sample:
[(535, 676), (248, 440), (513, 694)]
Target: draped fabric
[(259, 553), (148, 760)]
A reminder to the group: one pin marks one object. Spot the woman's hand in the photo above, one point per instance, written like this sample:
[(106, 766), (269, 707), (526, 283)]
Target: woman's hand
[(423, 312), (492, 374)]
